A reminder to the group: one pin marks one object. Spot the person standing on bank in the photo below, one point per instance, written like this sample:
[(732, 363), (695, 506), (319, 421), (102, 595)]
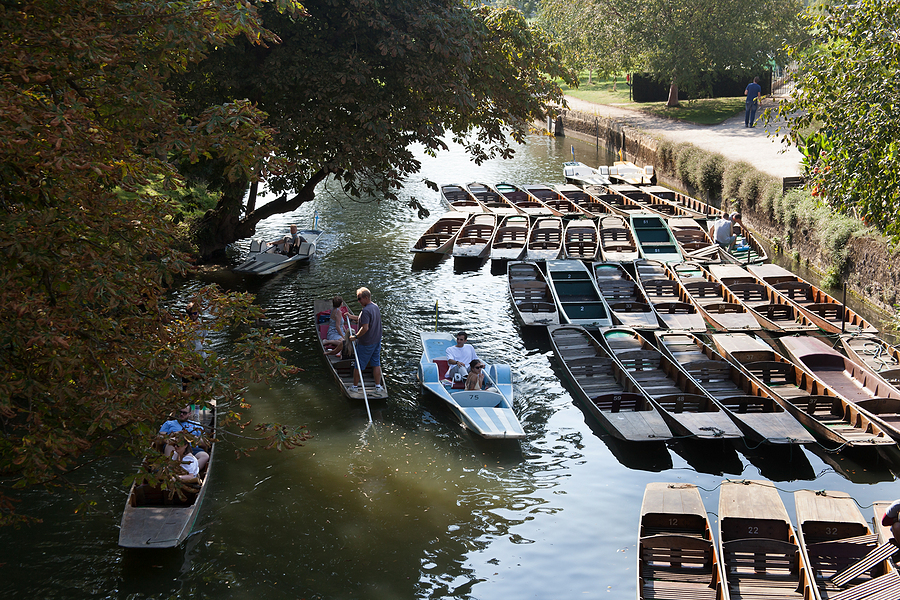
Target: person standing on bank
[(754, 97), (368, 340)]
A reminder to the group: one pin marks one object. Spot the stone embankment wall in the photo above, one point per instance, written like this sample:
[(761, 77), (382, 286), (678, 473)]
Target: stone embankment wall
[(872, 271)]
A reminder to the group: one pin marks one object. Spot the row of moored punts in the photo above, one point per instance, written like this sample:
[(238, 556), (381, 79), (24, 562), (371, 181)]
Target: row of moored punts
[(834, 554)]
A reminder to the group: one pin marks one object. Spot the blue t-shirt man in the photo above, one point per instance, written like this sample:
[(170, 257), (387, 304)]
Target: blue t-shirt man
[(754, 96)]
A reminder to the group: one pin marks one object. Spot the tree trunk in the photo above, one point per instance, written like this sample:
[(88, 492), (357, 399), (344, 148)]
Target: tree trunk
[(673, 96), (590, 76)]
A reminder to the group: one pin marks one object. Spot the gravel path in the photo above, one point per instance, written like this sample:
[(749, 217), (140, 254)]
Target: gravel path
[(756, 145)]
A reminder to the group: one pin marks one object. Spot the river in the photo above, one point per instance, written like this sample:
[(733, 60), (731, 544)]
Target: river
[(412, 506)]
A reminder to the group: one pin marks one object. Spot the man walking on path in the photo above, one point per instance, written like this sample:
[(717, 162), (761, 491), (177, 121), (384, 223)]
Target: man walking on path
[(754, 97)]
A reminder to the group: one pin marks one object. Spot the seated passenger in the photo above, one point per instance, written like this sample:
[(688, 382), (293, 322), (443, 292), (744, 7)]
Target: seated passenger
[(288, 244), (475, 380), (188, 463), (459, 357), (192, 428), (337, 330)]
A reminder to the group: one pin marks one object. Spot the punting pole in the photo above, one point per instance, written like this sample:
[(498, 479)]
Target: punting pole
[(844, 309), (573, 152), (435, 315), (362, 382)]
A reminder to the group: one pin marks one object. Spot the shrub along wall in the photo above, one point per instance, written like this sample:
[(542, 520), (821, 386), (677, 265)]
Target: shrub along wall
[(796, 222)]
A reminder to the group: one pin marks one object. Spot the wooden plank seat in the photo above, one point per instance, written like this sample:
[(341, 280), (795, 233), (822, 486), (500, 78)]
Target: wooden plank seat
[(777, 312), (761, 568), (677, 567), (630, 307), (434, 240), (871, 559), (885, 587), (619, 401), (723, 308), (749, 292), (772, 373), (536, 307), (660, 287), (529, 290), (795, 290), (826, 310), (680, 402), (639, 360), (471, 241), (674, 308), (613, 290), (704, 289)]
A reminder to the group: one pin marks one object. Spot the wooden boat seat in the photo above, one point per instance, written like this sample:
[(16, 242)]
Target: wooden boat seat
[(704, 289), (775, 563), (795, 290), (434, 240), (529, 290), (826, 310), (471, 241), (617, 289), (723, 308), (618, 402), (772, 372), (689, 235), (776, 312), (631, 307), (708, 371), (661, 287), (639, 360), (749, 292), (536, 307), (885, 587), (673, 308)]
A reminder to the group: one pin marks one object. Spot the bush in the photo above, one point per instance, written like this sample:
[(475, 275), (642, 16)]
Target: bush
[(684, 163), (709, 175), (732, 176)]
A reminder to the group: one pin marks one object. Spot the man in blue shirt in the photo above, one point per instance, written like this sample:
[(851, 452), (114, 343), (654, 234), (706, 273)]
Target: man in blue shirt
[(754, 97), (182, 424)]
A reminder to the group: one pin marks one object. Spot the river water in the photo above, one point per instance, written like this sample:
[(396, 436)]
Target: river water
[(412, 506)]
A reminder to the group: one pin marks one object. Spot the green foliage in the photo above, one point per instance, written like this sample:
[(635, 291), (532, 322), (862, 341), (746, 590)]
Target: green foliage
[(846, 92), (588, 41), (733, 177), (92, 354), (354, 86), (682, 43)]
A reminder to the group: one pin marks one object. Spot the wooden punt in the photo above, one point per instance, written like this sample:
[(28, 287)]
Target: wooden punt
[(531, 296), (545, 239), (669, 297), (625, 298), (676, 557), (851, 381), (511, 238), (687, 410), (163, 518), (584, 200), (809, 400), (458, 198), (689, 202), (439, 238), (760, 553), (835, 536), (614, 203), (616, 240), (654, 238), (755, 410), (579, 174), (823, 310), (524, 201), (747, 250), (581, 240), (491, 200), (608, 391), (475, 237), (576, 295), (639, 197), (716, 303), (342, 366), (556, 201), (882, 358), (771, 310), (695, 243)]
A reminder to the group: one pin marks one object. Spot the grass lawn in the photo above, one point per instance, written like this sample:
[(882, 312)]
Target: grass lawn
[(704, 111)]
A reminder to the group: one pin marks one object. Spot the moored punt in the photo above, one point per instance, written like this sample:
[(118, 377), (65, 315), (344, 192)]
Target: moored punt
[(342, 366), (545, 239), (524, 201), (511, 238), (636, 198), (771, 310), (676, 554), (882, 358), (809, 400), (695, 243), (163, 518), (687, 410), (823, 310), (622, 171), (847, 379), (654, 238), (626, 300), (439, 238), (458, 198), (581, 240), (607, 390), (754, 409), (760, 554), (475, 237), (577, 173), (689, 202), (669, 297), (491, 200), (531, 296), (556, 201), (584, 200), (616, 240), (835, 536), (716, 302), (489, 413), (747, 250), (576, 294)]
